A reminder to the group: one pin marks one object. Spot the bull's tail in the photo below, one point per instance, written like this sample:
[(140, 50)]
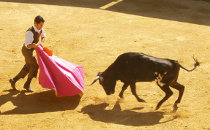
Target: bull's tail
[(195, 65)]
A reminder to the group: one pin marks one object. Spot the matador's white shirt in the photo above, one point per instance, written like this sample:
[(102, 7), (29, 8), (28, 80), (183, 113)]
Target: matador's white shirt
[(29, 37)]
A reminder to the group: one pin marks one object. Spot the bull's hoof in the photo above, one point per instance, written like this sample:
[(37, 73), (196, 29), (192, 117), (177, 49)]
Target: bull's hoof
[(12, 82), (120, 95), (157, 107), (175, 107), (141, 100), (28, 88)]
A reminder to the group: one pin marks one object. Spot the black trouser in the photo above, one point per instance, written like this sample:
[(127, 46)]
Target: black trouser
[(31, 67)]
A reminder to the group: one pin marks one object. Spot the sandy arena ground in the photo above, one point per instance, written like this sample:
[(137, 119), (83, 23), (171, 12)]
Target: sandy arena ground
[(92, 33)]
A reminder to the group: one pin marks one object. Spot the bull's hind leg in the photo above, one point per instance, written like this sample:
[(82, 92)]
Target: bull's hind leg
[(133, 90), (181, 91), (125, 86), (168, 93)]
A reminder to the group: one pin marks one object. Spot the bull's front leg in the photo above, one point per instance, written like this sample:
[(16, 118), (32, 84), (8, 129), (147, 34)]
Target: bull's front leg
[(125, 86), (133, 90)]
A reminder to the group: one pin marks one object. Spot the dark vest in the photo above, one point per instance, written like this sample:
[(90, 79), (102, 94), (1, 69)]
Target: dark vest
[(36, 34)]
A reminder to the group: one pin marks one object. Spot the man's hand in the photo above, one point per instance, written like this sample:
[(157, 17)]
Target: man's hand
[(32, 46)]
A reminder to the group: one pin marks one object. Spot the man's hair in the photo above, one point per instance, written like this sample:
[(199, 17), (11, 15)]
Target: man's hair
[(38, 19)]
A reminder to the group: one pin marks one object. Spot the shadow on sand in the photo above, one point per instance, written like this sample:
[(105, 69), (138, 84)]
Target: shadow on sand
[(191, 11), (124, 117), (38, 102)]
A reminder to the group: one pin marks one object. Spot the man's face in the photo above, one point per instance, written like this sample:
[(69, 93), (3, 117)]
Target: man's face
[(39, 26)]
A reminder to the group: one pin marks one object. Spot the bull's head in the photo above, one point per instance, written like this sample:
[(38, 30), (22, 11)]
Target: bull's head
[(107, 82)]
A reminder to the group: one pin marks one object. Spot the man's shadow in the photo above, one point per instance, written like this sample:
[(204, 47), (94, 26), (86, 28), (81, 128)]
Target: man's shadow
[(38, 102), (123, 117)]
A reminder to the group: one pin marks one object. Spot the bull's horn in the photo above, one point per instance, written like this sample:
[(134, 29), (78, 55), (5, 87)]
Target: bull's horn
[(97, 77)]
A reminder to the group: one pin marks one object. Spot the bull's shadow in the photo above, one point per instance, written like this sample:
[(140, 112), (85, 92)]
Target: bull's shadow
[(38, 102), (123, 117)]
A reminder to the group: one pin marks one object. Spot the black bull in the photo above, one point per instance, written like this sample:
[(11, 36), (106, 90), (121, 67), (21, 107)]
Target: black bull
[(135, 67)]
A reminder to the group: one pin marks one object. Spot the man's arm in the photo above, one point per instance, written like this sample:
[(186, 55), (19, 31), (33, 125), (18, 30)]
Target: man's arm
[(43, 35), (33, 45), (42, 40), (29, 39)]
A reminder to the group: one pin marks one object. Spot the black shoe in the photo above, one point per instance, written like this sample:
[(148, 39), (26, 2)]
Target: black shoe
[(12, 82), (28, 88)]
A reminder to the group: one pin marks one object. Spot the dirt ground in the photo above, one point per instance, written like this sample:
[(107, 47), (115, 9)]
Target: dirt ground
[(92, 33)]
